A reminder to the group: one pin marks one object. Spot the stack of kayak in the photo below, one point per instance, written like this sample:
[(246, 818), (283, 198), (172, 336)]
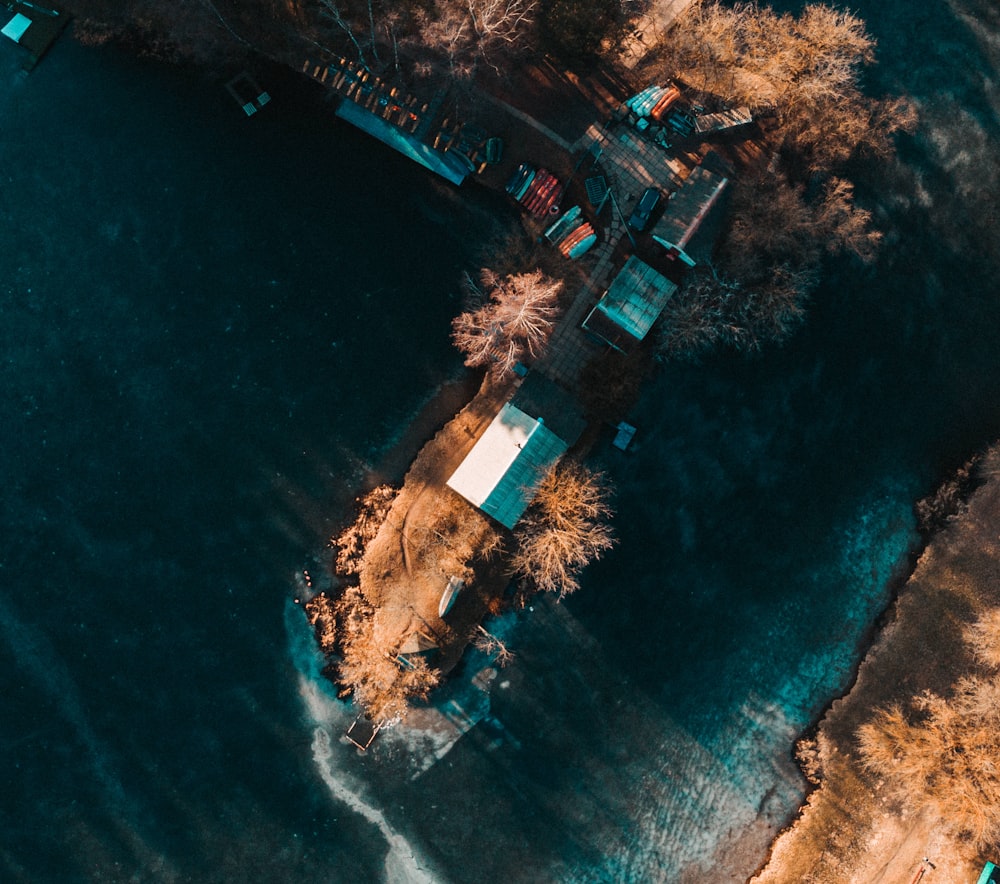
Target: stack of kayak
[(572, 234), (660, 104), (538, 190), (654, 101)]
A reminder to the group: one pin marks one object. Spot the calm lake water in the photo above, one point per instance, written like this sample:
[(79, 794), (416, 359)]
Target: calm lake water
[(212, 327)]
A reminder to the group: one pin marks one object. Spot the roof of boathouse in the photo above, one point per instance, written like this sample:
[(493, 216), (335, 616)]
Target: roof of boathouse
[(688, 207), (506, 465), (445, 165), (630, 306)]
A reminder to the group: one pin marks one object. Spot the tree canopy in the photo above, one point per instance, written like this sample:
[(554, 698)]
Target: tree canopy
[(943, 755), (565, 528), (510, 319)]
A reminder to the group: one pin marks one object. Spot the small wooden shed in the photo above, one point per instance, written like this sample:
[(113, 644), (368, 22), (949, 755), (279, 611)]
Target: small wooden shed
[(630, 306)]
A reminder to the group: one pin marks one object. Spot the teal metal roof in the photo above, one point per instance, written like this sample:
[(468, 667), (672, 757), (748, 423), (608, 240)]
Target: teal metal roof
[(446, 166), (16, 27), (502, 472), (636, 298)]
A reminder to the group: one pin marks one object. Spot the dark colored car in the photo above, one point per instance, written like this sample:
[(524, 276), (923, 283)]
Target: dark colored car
[(647, 204)]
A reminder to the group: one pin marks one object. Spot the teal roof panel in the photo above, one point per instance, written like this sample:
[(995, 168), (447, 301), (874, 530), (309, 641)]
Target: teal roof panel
[(636, 298), (506, 465)]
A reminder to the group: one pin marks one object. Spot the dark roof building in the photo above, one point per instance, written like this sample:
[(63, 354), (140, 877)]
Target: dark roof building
[(687, 209), (630, 306)]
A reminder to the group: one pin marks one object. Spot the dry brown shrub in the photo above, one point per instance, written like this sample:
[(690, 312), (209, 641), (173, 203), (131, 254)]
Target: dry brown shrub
[(322, 615), (351, 543), (806, 70), (565, 528), (983, 637)]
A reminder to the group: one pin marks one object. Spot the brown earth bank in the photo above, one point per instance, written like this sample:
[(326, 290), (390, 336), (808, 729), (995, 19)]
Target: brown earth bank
[(853, 828)]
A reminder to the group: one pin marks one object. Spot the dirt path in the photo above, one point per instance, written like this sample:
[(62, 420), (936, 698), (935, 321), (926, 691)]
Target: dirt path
[(395, 577)]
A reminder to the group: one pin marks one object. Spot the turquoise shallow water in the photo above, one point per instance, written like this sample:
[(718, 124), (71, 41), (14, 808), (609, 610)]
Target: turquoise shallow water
[(212, 326)]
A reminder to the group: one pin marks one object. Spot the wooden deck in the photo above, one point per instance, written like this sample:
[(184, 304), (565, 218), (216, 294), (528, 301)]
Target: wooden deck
[(47, 23)]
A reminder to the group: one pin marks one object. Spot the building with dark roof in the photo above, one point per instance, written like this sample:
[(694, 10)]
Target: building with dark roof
[(687, 209)]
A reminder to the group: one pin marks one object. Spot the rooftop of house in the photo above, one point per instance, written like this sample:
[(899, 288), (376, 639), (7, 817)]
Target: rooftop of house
[(502, 472), (632, 304)]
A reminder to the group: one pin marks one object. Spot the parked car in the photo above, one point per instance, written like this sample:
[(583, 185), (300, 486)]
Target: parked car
[(647, 204)]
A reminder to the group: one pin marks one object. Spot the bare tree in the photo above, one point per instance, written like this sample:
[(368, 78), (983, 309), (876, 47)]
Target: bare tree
[(713, 309), (845, 226), (467, 32), (491, 644), (512, 320), (329, 9), (565, 528)]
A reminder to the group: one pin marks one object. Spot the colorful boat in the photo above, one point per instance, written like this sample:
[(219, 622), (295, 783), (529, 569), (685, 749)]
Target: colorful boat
[(526, 184), (543, 184), (638, 102), (518, 178), (561, 227), (551, 202), (582, 246), (494, 151), (578, 234), (666, 100), (449, 595), (573, 230), (541, 195)]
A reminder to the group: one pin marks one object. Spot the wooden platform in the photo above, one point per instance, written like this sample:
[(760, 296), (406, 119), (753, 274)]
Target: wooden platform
[(362, 732), (43, 26)]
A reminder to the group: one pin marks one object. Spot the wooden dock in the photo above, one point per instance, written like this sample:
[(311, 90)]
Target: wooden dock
[(402, 120)]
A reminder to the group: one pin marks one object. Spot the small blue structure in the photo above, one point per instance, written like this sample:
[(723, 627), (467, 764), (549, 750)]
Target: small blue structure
[(989, 875), (247, 93)]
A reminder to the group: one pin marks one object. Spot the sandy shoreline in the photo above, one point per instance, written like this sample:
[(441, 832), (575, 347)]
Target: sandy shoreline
[(850, 828)]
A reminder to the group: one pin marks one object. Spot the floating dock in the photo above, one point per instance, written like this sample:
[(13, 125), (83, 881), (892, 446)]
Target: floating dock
[(362, 732), (35, 27)]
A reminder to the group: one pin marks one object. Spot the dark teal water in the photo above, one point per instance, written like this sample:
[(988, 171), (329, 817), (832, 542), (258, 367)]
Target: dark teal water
[(212, 326)]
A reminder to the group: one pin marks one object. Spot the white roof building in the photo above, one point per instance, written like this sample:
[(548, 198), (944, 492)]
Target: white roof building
[(506, 465)]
